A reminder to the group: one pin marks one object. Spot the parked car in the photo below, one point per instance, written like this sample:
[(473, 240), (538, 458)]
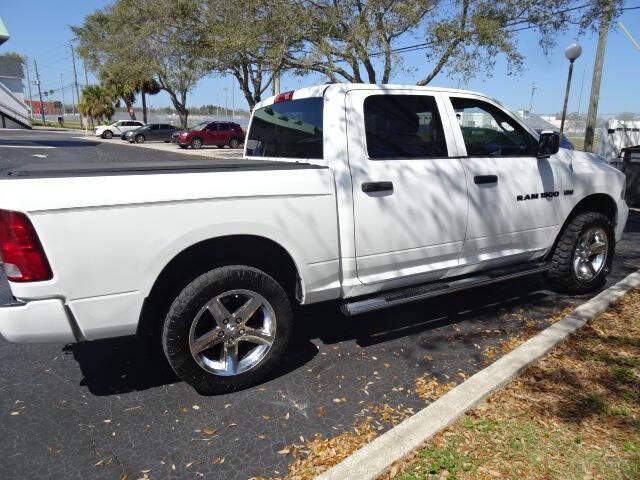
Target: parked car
[(116, 128), (152, 132), (369, 195), (212, 133)]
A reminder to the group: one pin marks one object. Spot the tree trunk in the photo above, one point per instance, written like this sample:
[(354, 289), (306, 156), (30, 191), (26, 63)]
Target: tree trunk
[(144, 106), (132, 112)]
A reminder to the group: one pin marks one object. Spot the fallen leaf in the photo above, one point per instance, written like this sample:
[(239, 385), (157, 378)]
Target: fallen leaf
[(209, 431)]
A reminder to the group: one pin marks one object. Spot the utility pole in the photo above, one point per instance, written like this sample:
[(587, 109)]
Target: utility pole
[(62, 90), (75, 76), (233, 101), (35, 65), (592, 116), (26, 64)]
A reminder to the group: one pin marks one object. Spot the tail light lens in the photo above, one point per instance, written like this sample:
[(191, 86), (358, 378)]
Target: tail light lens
[(20, 249), (283, 97)]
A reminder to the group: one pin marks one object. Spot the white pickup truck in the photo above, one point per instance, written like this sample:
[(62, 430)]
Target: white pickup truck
[(374, 195)]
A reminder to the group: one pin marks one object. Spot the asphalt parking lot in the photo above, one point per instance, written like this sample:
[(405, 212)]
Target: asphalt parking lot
[(24, 147), (106, 409)]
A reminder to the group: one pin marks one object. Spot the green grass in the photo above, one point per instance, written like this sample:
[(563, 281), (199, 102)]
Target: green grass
[(73, 125)]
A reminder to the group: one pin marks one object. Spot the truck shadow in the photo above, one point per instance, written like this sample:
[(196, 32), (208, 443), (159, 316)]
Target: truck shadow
[(125, 364)]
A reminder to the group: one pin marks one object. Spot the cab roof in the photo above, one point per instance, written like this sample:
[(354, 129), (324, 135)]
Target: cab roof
[(319, 91)]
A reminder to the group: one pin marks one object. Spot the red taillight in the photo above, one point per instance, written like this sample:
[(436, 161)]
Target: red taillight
[(20, 249), (283, 97)]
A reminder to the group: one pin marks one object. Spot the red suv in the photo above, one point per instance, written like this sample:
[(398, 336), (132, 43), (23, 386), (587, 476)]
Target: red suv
[(211, 133)]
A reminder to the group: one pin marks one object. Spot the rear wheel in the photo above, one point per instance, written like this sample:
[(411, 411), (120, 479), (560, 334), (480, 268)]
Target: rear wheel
[(227, 329), (107, 134), (140, 139), (196, 143), (583, 255)]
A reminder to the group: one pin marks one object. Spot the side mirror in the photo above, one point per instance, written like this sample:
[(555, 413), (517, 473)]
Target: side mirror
[(548, 144)]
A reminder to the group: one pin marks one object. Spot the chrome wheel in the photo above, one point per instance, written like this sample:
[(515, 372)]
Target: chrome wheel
[(233, 332), (590, 255)]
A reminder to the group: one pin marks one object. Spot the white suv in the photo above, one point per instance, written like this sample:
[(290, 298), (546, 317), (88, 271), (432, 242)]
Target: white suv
[(116, 128)]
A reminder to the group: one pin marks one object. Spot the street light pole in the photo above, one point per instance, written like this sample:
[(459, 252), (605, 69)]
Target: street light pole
[(572, 52)]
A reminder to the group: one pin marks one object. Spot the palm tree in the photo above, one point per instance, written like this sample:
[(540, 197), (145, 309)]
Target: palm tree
[(147, 86), (121, 85), (96, 102)]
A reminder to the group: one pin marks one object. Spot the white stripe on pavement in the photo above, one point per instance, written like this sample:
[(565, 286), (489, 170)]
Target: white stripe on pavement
[(25, 146)]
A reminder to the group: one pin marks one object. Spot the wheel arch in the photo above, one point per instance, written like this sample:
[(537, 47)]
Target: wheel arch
[(596, 202), (251, 250)]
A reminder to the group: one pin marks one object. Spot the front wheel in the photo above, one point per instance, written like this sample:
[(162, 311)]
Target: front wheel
[(196, 143), (140, 139), (107, 134), (583, 255), (234, 143), (227, 329)]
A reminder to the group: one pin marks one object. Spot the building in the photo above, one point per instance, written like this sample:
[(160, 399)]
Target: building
[(14, 113), (12, 75), (49, 108)]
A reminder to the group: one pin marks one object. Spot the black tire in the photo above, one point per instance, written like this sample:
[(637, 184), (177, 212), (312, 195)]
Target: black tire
[(196, 143), (562, 275), (107, 134), (184, 311), (234, 143), (183, 146), (140, 139)]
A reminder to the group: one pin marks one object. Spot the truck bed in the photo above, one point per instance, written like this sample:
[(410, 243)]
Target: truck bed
[(79, 169)]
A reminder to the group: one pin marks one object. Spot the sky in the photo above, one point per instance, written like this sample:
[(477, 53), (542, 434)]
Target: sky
[(40, 30)]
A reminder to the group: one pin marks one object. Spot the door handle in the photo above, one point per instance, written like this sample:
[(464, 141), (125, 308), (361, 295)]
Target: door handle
[(478, 179), (369, 187)]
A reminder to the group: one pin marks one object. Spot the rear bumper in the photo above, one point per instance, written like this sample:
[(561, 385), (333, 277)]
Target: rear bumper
[(36, 321)]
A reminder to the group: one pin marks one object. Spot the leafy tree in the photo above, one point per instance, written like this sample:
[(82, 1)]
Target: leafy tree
[(96, 102), (466, 37), (118, 80), (158, 47), (14, 56), (347, 38), (358, 40), (248, 42)]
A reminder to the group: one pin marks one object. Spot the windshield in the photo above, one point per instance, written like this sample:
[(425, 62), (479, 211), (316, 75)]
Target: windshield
[(200, 126)]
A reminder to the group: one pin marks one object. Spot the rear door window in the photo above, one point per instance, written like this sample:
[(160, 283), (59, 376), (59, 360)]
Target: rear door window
[(403, 126), (291, 129)]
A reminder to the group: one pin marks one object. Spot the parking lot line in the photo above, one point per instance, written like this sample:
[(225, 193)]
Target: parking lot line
[(25, 146)]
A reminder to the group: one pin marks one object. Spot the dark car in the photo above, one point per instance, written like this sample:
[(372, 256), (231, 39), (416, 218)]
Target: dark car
[(152, 132), (211, 133)]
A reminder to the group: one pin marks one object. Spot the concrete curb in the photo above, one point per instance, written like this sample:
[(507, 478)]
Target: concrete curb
[(376, 457)]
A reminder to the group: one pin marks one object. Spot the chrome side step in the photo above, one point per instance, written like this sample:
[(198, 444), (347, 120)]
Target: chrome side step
[(429, 290)]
